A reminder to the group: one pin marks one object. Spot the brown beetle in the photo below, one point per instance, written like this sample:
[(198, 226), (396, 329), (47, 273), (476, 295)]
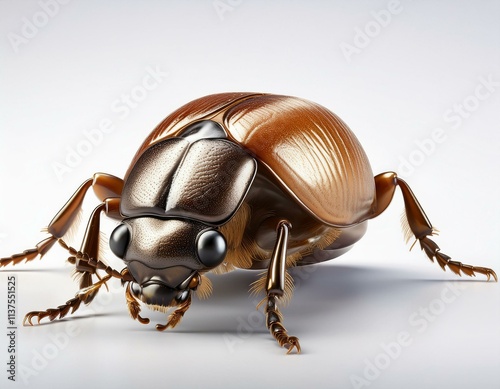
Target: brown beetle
[(233, 180)]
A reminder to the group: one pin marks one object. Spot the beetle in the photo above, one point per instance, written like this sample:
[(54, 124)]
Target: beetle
[(232, 180)]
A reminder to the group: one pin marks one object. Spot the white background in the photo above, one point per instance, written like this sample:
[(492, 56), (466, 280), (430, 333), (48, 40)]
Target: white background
[(419, 63)]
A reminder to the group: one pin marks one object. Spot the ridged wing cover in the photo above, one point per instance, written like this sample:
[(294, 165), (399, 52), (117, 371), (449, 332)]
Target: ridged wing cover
[(195, 110), (311, 152)]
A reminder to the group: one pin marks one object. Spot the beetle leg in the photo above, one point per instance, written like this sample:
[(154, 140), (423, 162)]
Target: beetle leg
[(104, 185), (275, 288), (62, 310), (418, 224), (87, 259), (84, 295)]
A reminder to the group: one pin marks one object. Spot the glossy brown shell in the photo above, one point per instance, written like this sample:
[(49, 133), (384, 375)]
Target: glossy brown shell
[(310, 152)]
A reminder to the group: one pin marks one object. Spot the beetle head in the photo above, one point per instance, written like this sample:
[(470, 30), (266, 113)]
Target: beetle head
[(166, 256), (177, 194)]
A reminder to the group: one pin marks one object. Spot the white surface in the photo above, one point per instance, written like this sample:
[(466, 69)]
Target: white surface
[(426, 60)]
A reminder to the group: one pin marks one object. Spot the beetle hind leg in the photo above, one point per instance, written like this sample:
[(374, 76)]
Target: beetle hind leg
[(416, 223), (28, 255), (105, 186)]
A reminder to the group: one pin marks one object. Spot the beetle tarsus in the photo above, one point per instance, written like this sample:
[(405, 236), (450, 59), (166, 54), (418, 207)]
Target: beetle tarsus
[(432, 250), (276, 328), (28, 255), (62, 310)]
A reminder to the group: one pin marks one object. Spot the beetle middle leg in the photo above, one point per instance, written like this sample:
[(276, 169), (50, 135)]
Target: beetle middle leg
[(62, 310), (275, 288), (418, 224), (82, 296), (85, 294)]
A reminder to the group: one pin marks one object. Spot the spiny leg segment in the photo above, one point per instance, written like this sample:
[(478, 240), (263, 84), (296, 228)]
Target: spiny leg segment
[(417, 223)]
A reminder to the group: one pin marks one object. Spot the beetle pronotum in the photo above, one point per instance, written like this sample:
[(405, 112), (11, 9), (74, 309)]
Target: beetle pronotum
[(232, 180)]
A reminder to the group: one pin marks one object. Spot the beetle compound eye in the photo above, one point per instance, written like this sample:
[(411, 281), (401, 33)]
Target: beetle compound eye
[(119, 240), (211, 248)]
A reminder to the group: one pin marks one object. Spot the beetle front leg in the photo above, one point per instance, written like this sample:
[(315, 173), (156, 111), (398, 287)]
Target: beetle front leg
[(275, 288)]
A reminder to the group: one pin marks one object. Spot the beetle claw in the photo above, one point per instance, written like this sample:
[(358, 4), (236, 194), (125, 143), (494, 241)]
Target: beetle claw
[(293, 342), (432, 250), (39, 315)]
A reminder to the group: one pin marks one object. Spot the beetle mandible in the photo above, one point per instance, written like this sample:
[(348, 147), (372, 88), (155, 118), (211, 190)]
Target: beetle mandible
[(232, 180)]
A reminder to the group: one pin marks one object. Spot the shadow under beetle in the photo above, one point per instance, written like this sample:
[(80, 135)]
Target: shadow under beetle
[(232, 180)]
